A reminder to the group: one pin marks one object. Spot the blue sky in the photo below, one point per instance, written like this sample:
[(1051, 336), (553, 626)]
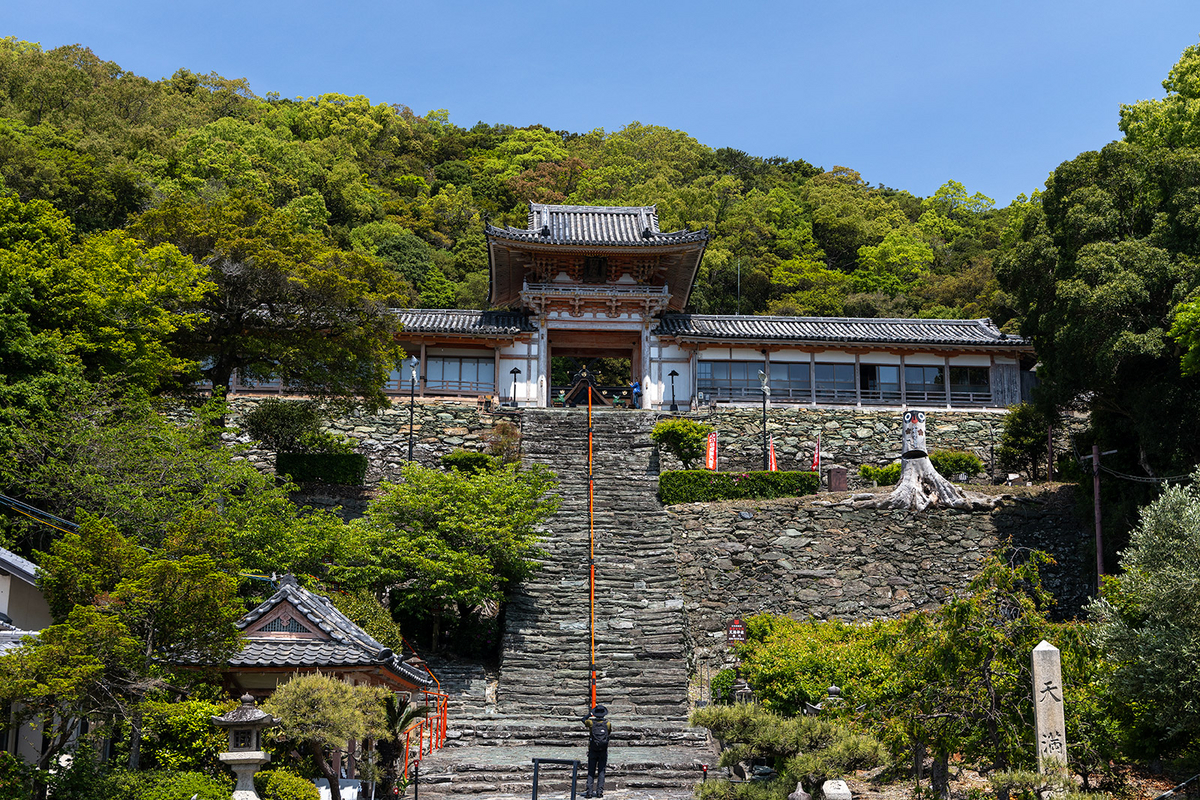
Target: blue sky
[(994, 95)]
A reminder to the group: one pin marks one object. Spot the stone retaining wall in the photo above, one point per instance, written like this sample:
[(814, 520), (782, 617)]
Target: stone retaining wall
[(849, 437), (438, 428), (811, 557)]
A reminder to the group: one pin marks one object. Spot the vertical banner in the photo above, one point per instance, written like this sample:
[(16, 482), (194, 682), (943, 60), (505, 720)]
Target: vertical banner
[(772, 464), (816, 462), (710, 456)]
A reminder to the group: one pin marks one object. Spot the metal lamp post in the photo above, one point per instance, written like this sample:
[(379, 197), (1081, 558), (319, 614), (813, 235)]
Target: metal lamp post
[(412, 363), (673, 375), (515, 371), (766, 390)]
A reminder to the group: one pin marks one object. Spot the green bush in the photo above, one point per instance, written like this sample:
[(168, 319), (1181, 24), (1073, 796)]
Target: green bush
[(280, 784), (468, 461), (343, 469), (293, 426), (720, 688), (684, 438), (279, 424), (884, 476), (16, 778), (155, 785), (700, 485), (953, 462)]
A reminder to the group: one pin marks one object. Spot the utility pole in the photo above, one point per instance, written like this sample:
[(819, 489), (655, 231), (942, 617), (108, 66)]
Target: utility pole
[(1095, 457)]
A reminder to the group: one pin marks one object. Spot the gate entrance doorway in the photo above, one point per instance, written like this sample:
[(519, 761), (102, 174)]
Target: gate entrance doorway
[(604, 360)]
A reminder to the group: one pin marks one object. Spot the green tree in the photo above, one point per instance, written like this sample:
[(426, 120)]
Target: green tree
[(1023, 442), (454, 538), (1147, 625), (323, 713), (684, 438), (287, 305)]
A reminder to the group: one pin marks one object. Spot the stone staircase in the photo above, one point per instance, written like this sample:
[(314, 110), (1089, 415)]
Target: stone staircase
[(542, 690)]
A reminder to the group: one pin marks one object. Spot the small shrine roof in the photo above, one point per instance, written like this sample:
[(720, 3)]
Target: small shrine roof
[(488, 324), (348, 645), (962, 332)]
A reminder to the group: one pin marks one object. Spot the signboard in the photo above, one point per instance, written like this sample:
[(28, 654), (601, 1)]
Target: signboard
[(735, 633)]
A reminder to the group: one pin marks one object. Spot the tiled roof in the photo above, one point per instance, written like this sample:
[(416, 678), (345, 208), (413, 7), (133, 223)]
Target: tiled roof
[(10, 637), (348, 645), (13, 564), (597, 226), (465, 323), (965, 332)]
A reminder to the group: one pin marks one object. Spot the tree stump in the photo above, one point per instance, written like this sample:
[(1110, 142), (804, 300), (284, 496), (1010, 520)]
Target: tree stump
[(920, 485)]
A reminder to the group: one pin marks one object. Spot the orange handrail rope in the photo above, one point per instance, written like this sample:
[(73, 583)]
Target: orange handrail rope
[(591, 556)]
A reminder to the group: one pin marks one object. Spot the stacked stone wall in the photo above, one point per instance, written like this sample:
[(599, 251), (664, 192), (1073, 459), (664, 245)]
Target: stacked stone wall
[(812, 557), (849, 437)]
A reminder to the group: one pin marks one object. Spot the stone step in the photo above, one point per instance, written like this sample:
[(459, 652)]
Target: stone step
[(666, 772)]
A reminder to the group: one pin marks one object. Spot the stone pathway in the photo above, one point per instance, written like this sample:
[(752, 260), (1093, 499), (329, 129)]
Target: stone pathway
[(533, 708)]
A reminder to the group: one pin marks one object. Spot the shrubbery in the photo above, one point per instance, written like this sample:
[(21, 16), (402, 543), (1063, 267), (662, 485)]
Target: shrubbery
[(279, 784), (683, 438), (946, 462), (343, 469), (468, 461), (884, 476), (700, 485), (955, 462)]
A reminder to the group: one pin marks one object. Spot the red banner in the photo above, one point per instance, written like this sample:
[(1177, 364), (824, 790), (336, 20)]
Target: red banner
[(772, 464), (816, 464), (710, 457)]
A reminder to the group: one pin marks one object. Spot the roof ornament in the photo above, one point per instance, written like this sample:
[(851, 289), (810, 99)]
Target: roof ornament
[(647, 233), (288, 580), (545, 230)]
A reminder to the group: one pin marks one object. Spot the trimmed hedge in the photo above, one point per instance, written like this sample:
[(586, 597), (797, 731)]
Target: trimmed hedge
[(343, 469), (701, 485), (884, 476), (468, 461), (954, 462)]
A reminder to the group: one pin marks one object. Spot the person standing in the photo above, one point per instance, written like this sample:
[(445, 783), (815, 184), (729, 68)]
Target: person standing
[(599, 730), (635, 392)]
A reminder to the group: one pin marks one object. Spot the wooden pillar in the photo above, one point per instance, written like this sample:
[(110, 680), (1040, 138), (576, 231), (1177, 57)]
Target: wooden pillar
[(543, 362), (857, 380), (903, 384), (645, 368), (812, 377), (496, 373), (946, 379), (422, 373)]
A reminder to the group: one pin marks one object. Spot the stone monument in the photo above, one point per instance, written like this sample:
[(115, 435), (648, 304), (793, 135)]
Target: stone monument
[(1049, 722)]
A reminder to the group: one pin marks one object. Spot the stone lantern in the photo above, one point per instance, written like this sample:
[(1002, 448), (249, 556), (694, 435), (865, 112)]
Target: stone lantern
[(244, 753)]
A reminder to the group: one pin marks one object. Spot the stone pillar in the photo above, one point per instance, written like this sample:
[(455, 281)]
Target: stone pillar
[(1049, 723)]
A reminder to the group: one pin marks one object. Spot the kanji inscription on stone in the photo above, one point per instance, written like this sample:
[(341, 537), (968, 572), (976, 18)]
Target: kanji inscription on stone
[(1049, 720)]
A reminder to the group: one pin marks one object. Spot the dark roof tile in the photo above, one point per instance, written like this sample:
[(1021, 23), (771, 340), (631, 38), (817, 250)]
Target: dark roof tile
[(467, 323), (595, 225), (965, 332)]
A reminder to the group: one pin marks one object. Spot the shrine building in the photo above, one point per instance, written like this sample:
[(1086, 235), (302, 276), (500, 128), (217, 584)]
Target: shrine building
[(604, 282)]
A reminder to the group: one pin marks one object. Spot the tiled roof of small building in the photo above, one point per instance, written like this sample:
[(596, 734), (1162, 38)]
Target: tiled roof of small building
[(13, 564), (635, 226), (348, 645), (964, 332), (11, 637), (465, 323)]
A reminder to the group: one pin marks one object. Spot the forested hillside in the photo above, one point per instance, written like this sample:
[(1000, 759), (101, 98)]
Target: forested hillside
[(116, 151)]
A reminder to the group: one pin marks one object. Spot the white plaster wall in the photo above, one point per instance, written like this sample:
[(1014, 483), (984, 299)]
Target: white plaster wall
[(970, 361), (925, 359), (663, 359)]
